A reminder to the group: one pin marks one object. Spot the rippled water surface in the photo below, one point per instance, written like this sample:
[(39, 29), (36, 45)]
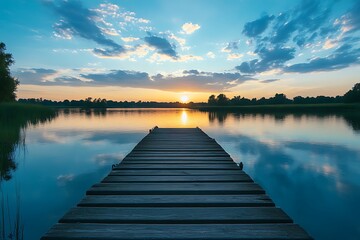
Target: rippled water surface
[(308, 164)]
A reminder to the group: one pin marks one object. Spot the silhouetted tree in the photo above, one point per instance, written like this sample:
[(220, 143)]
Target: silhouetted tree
[(353, 95), (212, 100), (222, 100), (8, 84), (236, 100), (279, 98)]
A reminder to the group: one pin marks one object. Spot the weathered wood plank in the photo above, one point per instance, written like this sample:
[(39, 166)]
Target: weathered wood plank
[(179, 158), (175, 166), (175, 188), (180, 150), (176, 231), (224, 166), (259, 200), (225, 178), (175, 162), (175, 172), (180, 154), (176, 215)]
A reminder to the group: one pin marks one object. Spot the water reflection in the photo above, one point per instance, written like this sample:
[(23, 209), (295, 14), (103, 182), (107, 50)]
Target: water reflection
[(12, 135), (184, 117), (219, 117), (310, 181), (308, 163)]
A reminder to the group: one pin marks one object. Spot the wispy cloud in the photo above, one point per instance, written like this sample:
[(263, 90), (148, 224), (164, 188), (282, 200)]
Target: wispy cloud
[(76, 20), (210, 55), (129, 39), (309, 25)]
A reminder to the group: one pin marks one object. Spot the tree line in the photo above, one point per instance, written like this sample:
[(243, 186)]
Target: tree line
[(104, 103), (352, 96)]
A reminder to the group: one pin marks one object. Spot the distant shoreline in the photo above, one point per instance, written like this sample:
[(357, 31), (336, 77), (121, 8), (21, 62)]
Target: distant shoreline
[(325, 107), (321, 107)]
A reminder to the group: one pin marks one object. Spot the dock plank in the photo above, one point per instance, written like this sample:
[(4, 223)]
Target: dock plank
[(175, 188), (176, 215), (176, 231), (259, 200), (175, 172), (171, 179), (231, 166), (176, 184)]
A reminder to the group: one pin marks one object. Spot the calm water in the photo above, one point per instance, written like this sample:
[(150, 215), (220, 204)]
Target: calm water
[(308, 164)]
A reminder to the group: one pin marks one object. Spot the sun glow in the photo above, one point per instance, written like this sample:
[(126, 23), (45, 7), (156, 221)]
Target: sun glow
[(184, 117), (184, 99)]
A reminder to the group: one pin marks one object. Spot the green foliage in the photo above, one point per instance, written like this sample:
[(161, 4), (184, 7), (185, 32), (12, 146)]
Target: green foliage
[(8, 84), (353, 95)]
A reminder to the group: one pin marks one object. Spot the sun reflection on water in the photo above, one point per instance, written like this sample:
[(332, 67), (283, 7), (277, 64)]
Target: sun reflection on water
[(184, 117)]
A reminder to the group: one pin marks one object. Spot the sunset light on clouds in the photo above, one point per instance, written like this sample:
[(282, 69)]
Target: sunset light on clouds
[(156, 50)]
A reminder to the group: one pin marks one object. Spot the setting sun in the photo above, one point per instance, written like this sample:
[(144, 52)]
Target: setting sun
[(184, 99)]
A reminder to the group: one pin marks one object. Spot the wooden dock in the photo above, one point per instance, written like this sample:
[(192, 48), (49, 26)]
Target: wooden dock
[(177, 183)]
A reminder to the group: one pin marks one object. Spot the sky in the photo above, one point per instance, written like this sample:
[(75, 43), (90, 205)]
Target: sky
[(163, 50)]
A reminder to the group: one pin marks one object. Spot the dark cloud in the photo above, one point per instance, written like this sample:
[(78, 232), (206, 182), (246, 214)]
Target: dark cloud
[(308, 23), (342, 58), (33, 75), (231, 46), (118, 78), (254, 28), (269, 59), (353, 17), (203, 81), (192, 80), (270, 80), (79, 21), (67, 80), (302, 22), (162, 45), (191, 72), (42, 76)]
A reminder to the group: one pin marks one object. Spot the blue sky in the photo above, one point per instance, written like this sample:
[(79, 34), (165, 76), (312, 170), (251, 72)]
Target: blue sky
[(161, 50)]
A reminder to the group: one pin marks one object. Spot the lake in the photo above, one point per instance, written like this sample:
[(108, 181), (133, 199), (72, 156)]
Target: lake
[(308, 164)]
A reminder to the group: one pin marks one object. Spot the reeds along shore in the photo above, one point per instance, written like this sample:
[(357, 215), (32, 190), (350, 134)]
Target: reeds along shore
[(14, 119)]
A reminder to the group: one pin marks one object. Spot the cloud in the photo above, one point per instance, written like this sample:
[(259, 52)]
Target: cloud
[(191, 72), (129, 39), (307, 27), (340, 59), (231, 46), (35, 75), (139, 51), (162, 45), (76, 20), (351, 20), (270, 80), (189, 28), (118, 78), (108, 159), (270, 58), (181, 41), (254, 28), (210, 55), (233, 56), (189, 80), (63, 179)]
